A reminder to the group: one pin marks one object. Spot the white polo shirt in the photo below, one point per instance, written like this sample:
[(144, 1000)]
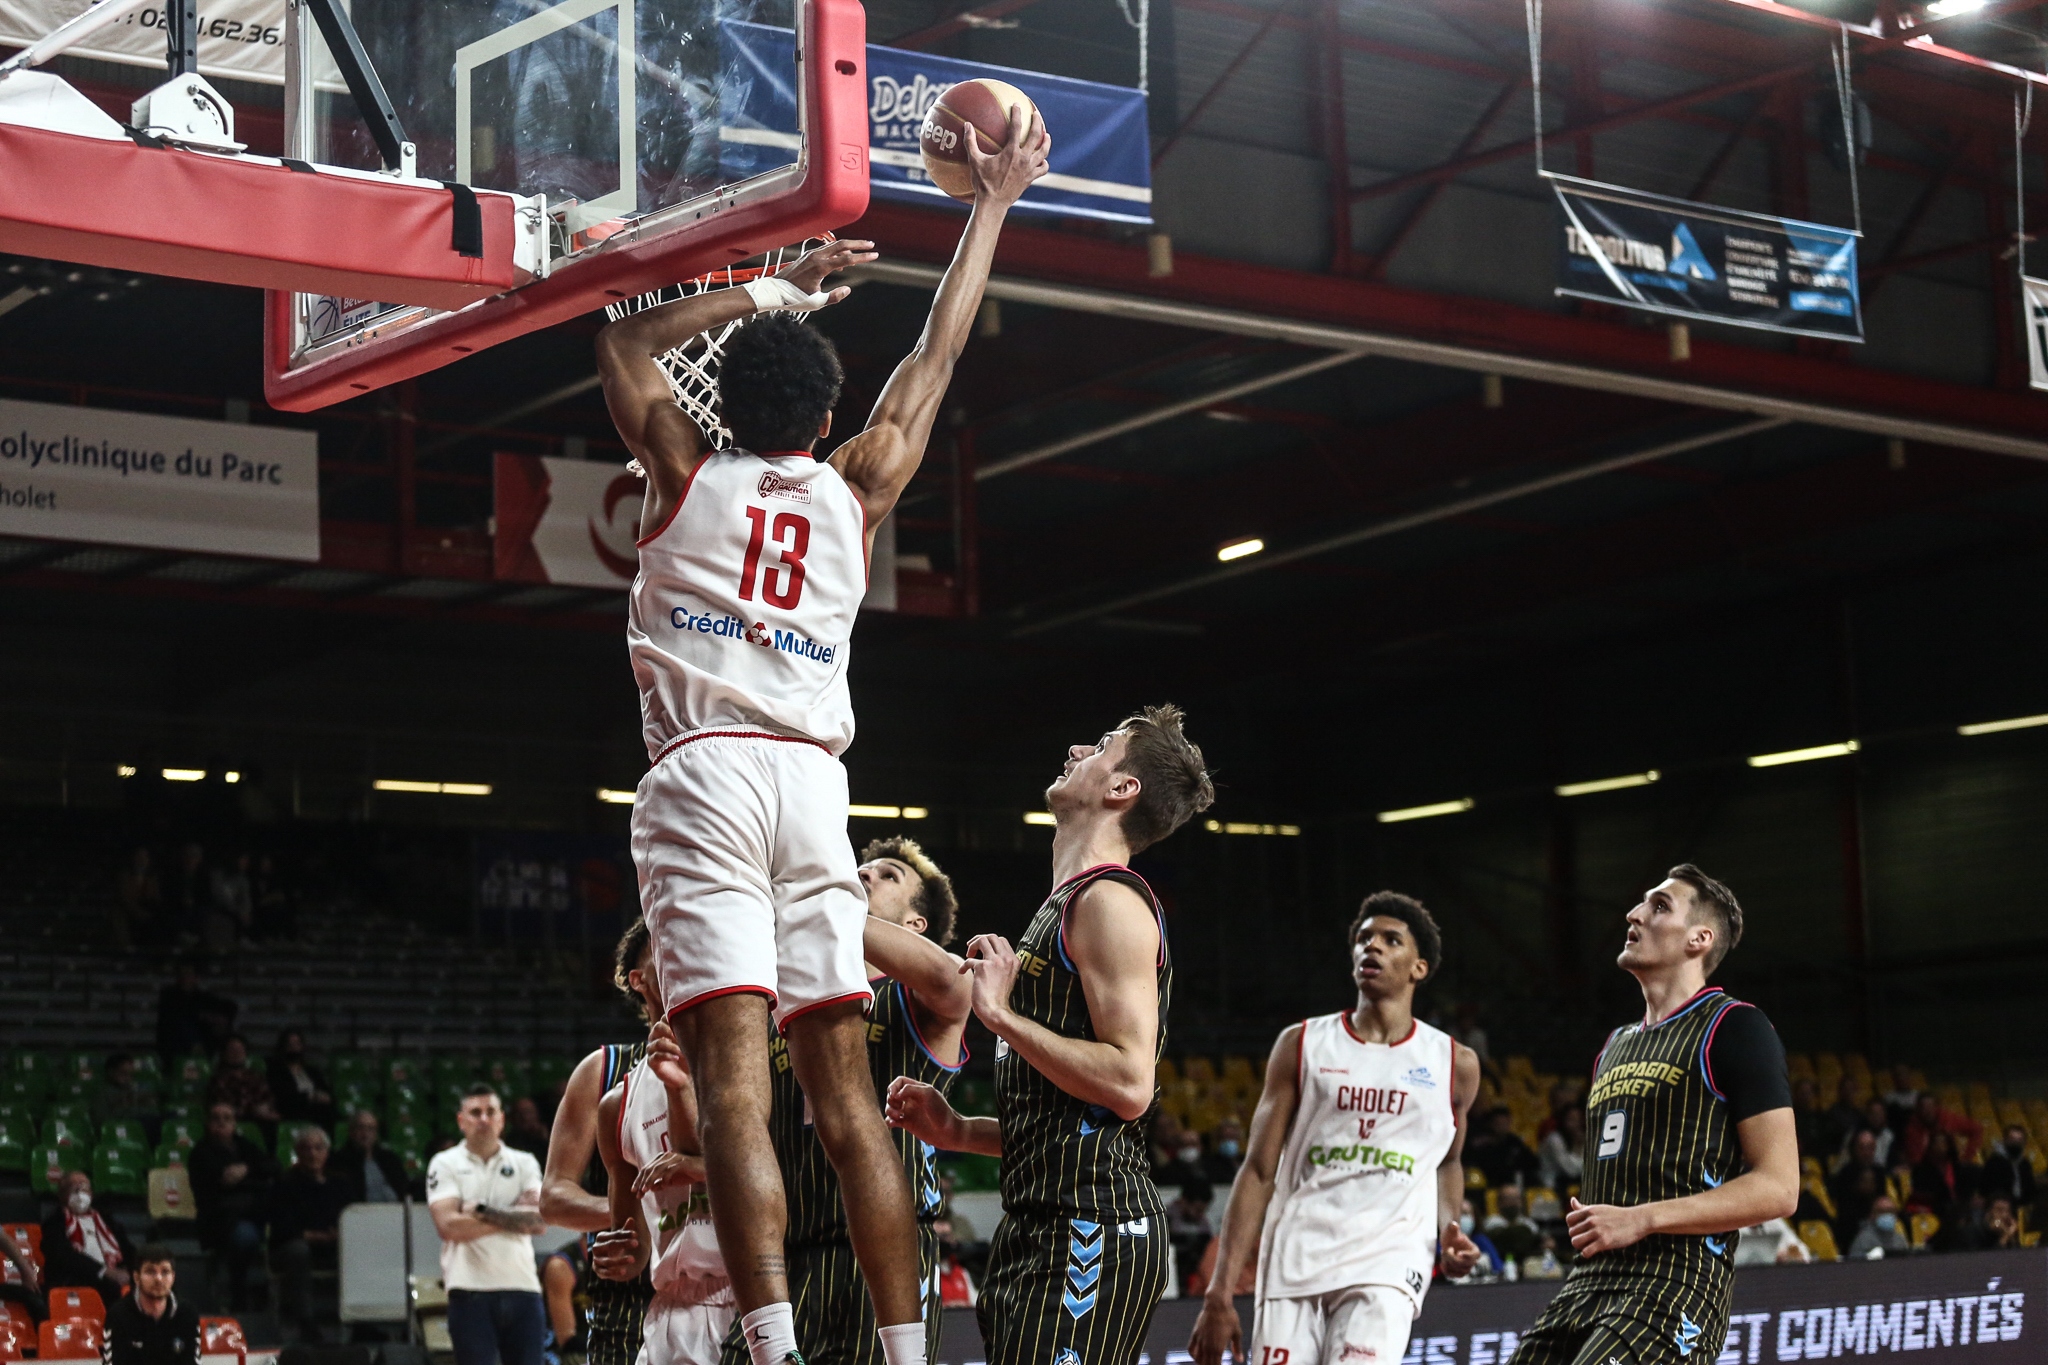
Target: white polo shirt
[(507, 1179)]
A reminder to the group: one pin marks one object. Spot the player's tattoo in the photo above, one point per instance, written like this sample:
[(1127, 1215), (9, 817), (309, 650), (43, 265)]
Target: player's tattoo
[(771, 1264)]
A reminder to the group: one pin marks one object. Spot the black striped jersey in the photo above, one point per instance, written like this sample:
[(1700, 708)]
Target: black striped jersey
[(895, 1048), (1061, 1154), (615, 1307), (1660, 1123)]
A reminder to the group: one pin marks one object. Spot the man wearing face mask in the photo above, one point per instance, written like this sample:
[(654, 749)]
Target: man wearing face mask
[(1882, 1234), (1226, 1151), (83, 1249)]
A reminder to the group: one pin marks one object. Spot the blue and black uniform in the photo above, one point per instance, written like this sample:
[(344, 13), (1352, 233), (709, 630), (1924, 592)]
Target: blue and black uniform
[(1079, 1263), (1660, 1124), (615, 1309)]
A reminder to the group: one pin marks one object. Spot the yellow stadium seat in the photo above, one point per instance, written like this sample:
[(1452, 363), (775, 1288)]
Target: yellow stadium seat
[(1198, 1069), (1818, 1188), (2012, 1111), (1979, 1093), (1916, 1078), (1166, 1072), (1819, 1239), (1922, 1228), (1811, 1169), (1798, 1064), (1475, 1179), (1237, 1069)]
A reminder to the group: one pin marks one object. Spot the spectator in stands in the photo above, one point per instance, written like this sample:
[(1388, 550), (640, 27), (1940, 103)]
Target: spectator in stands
[(562, 1279), (1186, 1165), (305, 1226), (232, 913), (240, 1086), (1772, 1243), (371, 1172), (138, 903), (1930, 1118), (1498, 1152), (2008, 1174), (191, 1019), (1840, 1122), (525, 1130), (1809, 1124), (1882, 1233), (1468, 1223), (1166, 1143), (297, 1088), (82, 1248), (1855, 1185), (1561, 1159), (2002, 1224), (120, 1095), (1226, 1153), (956, 1286), (1187, 1222), (1513, 1232), (231, 1179), (276, 919), (29, 1292), (190, 895), (151, 1326), (1902, 1099), (1877, 1125), (1940, 1180)]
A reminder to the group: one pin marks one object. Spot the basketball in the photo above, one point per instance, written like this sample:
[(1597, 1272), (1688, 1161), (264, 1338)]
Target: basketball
[(983, 105)]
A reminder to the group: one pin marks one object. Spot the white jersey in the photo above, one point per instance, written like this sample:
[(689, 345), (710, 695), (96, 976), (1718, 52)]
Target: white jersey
[(745, 602), (1354, 1198), (684, 1263)]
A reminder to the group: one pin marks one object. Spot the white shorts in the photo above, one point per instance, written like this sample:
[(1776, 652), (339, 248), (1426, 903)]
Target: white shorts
[(1367, 1325), (678, 1333), (747, 877)]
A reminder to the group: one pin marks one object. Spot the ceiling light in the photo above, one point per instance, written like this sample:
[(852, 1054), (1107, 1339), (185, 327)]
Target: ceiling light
[(1943, 9), (1238, 549), (126, 770), (874, 812), (915, 812), (1395, 817), (1841, 750), (1992, 727), (612, 796), (184, 774), (1608, 784), (393, 784), (231, 778), (1039, 817), (1238, 827)]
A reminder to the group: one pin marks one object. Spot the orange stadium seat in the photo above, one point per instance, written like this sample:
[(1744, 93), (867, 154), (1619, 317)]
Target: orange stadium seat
[(76, 1305), (71, 1339), (222, 1336)]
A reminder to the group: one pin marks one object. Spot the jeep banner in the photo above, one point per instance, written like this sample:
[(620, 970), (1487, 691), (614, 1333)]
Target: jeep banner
[(1962, 1309), (1101, 151), (1713, 264)]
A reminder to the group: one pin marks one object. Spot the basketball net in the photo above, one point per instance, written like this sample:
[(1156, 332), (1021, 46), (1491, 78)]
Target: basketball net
[(692, 368)]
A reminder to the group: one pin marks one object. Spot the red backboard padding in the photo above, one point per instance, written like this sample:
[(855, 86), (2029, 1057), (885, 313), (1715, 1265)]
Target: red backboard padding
[(241, 220), (832, 193)]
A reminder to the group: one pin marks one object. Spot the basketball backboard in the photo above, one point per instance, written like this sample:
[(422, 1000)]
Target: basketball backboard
[(617, 121)]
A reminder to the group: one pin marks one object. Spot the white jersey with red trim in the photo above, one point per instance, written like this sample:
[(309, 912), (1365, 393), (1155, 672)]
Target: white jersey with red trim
[(684, 1263), (1354, 1198), (745, 601)]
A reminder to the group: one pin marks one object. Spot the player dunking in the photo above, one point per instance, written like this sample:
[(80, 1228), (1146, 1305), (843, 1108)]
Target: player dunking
[(921, 1006), (753, 562), (660, 1218), (1689, 1126), (1078, 1008), (1354, 1169)]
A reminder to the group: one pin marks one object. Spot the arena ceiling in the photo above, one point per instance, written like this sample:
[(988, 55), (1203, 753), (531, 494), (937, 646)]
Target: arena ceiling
[(1457, 464)]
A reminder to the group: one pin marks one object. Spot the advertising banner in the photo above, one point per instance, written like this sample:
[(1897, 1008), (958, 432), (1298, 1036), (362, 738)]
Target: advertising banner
[(238, 39), (1101, 152), (575, 523), (1982, 1308), (1711, 264), (170, 483), (2035, 296), (559, 888)]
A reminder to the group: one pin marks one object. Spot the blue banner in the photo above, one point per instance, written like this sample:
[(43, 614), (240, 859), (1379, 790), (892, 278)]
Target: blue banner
[(1713, 264), (1101, 151)]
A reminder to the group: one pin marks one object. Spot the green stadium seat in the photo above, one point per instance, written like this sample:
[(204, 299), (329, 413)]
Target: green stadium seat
[(44, 1162), (407, 1136), (511, 1075), (350, 1067), (169, 1154), (65, 1127), (182, 1109), (181, 1131), (403, 1071), (84, 1066), (16, 1113), (21, 1087), (123, 1130), (453, 1071), (14, 1149), (415, 1162), (550, 1073), (34, 1067), (251, 1132), (70, 1090), (147, 1067), (120, 1168), (189, 1075)]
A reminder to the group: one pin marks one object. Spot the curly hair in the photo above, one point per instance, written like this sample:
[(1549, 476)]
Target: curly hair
[(935, 899), (625, 957), (778, 383), (1429, 940)]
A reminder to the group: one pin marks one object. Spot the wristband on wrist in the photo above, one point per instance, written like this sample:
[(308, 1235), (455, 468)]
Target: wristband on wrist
[(773, 293)]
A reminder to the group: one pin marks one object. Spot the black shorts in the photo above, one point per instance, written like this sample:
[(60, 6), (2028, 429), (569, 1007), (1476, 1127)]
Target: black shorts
[(616, 1311), (1064, 1291), (835, 1314), (1628, 1322)]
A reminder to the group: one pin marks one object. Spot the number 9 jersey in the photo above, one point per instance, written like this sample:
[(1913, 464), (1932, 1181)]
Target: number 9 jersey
[(745, 601)]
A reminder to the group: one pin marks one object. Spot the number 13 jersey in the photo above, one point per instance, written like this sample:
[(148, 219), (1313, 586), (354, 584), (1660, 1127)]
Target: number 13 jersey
[(745, 601)]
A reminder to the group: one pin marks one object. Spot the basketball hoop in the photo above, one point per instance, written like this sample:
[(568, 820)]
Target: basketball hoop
[(692, 368)]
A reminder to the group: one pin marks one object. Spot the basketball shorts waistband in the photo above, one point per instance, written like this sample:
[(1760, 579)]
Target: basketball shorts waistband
[(691, 738)]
